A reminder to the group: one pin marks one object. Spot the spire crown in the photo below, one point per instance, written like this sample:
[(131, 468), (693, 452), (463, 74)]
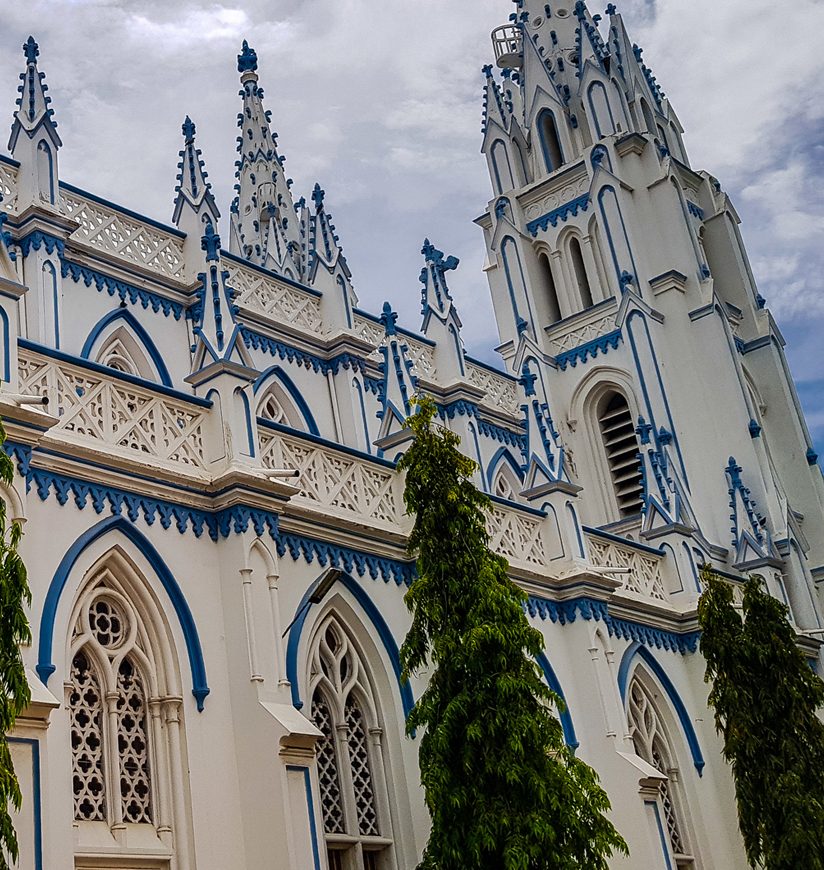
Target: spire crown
[(210, 243), (189, 130), (389, 319), (31, 49), (247, 59)]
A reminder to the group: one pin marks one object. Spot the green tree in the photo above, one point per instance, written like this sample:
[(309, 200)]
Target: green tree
[(766, 698), (503, 790), (14, 688)]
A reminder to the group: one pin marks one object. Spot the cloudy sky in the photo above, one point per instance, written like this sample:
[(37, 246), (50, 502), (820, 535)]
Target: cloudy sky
[(379, 100)]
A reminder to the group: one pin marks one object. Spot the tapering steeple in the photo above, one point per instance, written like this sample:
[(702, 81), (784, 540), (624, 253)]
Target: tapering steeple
[(34, 139), (327, 269), (265, 226), (398, 384), (194, 192), (195, 206), (441, 322)]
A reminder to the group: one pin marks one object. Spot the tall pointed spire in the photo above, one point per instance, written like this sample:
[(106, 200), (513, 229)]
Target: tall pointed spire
[(192, 188), (265, 227), (441, 322), (34, 140)]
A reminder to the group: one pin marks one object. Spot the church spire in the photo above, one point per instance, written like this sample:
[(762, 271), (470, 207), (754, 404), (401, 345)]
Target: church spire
[(265, 227), (34, 140), (194, 192), (441, 322)]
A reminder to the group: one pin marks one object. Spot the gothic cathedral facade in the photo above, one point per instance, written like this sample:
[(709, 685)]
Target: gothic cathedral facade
[(215, 532)]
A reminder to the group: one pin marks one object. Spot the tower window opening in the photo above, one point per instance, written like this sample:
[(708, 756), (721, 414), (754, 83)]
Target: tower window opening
[(621, 447), (579, 268), (550, 141), (553, 307)]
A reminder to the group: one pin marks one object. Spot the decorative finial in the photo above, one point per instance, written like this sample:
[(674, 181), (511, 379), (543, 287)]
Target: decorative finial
[(31, 50), (612, 9), (247, 59), (527, 380), (188, 130), (211, 243), (388, 319), (487, 70), (318, 194)]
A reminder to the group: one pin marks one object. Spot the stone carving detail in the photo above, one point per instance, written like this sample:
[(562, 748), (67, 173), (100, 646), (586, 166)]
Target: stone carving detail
[(126, 417), (86, 707), (501, 392), (582, 334), (333, 479), (265, 294), (518, 537), (123, 236), (569, 191), (8, 187), (644, 578)]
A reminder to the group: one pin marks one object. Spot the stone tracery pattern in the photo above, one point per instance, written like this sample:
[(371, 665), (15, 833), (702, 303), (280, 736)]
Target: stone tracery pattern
[(86, 708), (345, 764)]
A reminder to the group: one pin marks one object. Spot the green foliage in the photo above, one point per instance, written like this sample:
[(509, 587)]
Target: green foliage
[(503, 789), (14, 689), (765, 697)]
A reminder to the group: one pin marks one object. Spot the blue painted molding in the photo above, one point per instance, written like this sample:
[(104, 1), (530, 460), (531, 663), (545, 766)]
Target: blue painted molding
[(695, 210), (258, 341), (589, 350), (462, 408), (36, 796), (277, 374), (502, 454), (636, 650), (566, 612), (45, 665), (665, 852), (310, 806), (4, 323), (140, 333), (563, 713), (120, 289), (345, 558), (373, 615), (562, 213), (37, 239)]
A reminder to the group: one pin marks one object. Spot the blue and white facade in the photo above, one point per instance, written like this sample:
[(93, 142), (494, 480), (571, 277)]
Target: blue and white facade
[(223, 424)]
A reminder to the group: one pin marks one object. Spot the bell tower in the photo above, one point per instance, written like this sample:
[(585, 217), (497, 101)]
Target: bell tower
[(619, 278)]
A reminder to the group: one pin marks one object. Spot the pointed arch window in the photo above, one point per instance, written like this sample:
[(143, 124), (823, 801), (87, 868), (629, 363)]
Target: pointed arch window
[(506, 484), (550, 288), (501, 167), (276, 406), (650, 740), (550, 141), (124, 703), (621, 448), (579, 270), (356, 821), (123, 353)]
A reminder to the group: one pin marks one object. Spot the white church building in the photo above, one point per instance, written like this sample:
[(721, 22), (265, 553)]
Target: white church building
[(222, 428)]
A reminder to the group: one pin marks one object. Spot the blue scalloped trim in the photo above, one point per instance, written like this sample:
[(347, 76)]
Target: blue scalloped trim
[(342, 557), (566, 612), (695, 210), (591, 349), (38, 239), (562, 213), (125, 292), (462, 408), (291, 354)]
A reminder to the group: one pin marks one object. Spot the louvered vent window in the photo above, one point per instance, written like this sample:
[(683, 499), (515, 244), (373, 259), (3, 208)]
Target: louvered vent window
[(621, 445)]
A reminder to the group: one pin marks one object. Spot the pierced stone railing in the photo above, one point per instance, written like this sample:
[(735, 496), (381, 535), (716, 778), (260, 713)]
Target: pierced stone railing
[(422, 356), (8, 187), (123, 236), (518, 537), (644, 579), (335, 481), (367, 329), (501, 392), (571, 335), (96, 409), (265, 294)]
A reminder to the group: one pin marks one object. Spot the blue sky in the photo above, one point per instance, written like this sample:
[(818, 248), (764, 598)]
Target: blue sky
[(381, 103)]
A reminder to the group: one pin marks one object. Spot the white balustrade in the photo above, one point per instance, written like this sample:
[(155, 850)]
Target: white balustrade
[(573, 335), (644, 578), (518, 537), (265, 294), (8, 187), (123, 236), (368, 330), (501, 391), (334, 480), (95, 409), (422, 356)]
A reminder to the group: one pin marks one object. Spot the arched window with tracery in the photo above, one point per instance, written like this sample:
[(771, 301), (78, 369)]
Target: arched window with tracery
[(506, 484), (621, 448), (651, 743), (124, 699), (276, 406), (356, 823), (121, 351)]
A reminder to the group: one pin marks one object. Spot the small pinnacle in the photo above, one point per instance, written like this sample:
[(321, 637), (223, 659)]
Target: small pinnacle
[(31, 50)]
